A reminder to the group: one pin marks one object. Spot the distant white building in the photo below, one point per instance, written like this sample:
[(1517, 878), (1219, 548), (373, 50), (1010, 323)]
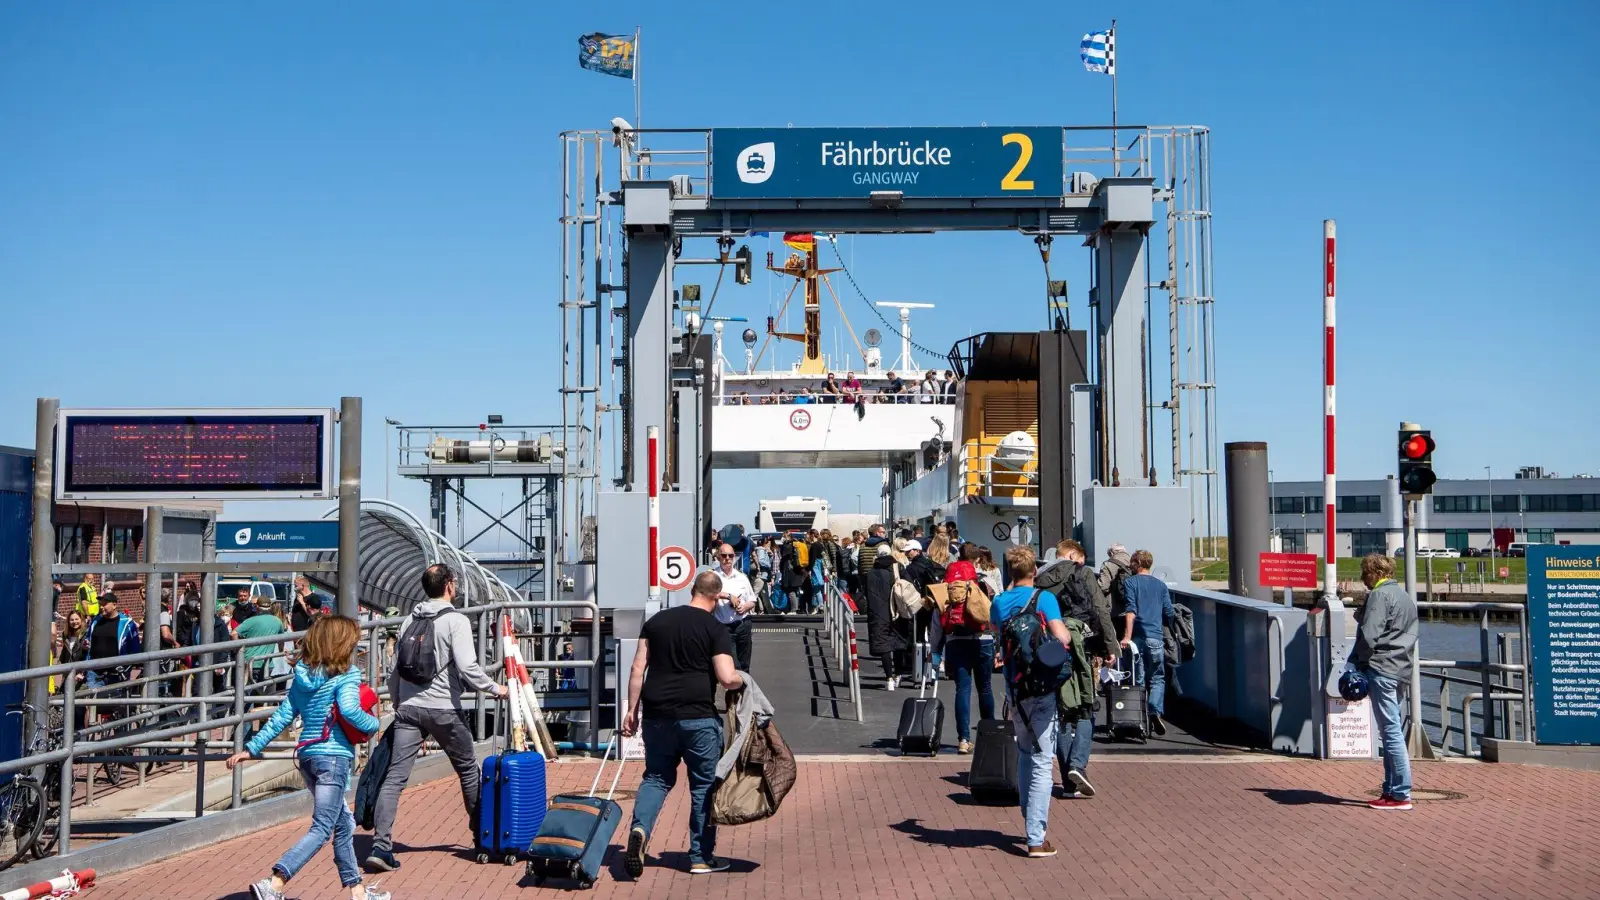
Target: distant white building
[(1461, 514)]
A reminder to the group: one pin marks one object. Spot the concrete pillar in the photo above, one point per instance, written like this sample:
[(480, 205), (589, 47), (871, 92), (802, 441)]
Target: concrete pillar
[(1248, 529), (349, 506), (1119, 291)]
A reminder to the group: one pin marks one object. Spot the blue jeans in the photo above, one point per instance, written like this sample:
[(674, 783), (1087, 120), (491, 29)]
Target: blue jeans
[(1154, 653), (971, 659), (326, 777), (1387, 715), (1074, 740), (698, 744), (1035, 719)]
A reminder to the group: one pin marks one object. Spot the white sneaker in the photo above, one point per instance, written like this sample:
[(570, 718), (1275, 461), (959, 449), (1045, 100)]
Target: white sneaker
[(374, 894), (890, 684)]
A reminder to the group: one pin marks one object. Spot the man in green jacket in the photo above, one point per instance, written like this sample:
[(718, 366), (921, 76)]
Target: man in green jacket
[(262, 624)]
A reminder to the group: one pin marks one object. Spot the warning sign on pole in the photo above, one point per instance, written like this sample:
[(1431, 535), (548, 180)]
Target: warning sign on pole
[(676, 568)]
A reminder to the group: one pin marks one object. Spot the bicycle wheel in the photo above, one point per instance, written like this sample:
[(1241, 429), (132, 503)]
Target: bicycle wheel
[(21, 818), (45, 844)]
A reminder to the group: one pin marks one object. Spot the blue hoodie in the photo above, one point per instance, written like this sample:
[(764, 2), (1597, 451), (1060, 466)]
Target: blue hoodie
[(311, 697)]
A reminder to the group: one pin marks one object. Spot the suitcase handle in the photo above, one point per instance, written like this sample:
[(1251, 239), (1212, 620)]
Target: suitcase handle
[(616, 743)]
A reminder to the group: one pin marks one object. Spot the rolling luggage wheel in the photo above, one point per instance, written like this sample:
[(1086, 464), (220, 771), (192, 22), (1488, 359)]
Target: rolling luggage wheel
[(535, 874), (511, 859), (483, 858)]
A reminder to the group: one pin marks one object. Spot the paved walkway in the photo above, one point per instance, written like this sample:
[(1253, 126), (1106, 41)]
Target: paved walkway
[(1237, 826)]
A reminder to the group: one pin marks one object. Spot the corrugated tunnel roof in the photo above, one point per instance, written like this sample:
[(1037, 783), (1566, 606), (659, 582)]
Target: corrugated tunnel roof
[(395, 549)]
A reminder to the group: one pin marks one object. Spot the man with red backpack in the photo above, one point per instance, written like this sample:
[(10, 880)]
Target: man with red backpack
[(968, 644)]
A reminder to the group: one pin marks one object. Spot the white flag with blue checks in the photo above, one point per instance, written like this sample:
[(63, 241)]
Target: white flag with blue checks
[(1099, 52)]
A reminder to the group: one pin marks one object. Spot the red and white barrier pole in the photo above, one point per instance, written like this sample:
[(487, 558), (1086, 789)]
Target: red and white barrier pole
[(66, 884), (1330, 536), (653, 442)]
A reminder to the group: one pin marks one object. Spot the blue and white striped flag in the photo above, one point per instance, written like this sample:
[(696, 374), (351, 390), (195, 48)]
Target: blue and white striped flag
[(1099, 52)]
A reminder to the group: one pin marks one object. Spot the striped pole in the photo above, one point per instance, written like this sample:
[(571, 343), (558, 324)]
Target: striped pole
[(65, 884), (653, 440), (1330, 573)]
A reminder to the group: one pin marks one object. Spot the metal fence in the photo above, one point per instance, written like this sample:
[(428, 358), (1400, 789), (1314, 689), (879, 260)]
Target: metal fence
[(1496, 680), (175, 713), (839, 621)]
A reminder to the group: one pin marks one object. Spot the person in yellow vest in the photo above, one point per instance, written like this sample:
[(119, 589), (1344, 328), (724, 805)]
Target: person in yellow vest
[(88, 601)]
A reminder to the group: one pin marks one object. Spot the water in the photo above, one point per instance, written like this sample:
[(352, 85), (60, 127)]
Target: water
[(1459, 640)]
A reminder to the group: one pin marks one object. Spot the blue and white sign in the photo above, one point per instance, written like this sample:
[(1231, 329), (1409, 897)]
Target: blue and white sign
[(842, 163), (277, 536), (1564, 628)]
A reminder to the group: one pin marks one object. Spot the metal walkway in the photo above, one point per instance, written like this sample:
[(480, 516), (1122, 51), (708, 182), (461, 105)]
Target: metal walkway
[(792, 664)]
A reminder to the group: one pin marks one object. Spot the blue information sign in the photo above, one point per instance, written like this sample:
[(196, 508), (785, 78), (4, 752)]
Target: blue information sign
[(833, 163), (277, 535), (1564, 628)]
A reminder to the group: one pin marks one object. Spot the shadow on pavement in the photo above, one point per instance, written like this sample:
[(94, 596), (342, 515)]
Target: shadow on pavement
[(974, 838), (1301, 797)]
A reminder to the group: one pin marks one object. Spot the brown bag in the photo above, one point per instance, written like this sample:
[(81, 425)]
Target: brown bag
[(978, 603), (761, 777), (941, 595)]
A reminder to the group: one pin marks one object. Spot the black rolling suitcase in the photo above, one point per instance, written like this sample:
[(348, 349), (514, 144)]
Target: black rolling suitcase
[(1127, 710), (993, 778), (921, 722)]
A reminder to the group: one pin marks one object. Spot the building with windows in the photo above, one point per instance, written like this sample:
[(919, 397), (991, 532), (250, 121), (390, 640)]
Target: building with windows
[(1460, 514)]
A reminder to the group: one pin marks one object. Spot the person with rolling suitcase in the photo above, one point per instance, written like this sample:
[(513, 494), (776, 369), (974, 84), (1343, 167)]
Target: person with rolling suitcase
[(993, 776), (684, 654), (1079, 594), (921, 717), (435, 658), (1149, 610), (1033, 639)]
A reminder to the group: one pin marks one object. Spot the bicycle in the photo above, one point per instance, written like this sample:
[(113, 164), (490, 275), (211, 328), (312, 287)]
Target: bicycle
[(25, 803)]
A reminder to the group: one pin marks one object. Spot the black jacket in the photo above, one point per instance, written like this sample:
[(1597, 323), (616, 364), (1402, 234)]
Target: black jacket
[(923, 572), (1077, 589), (884, 634)]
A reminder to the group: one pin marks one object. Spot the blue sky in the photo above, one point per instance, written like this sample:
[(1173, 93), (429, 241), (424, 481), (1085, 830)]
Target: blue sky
[(218, 204)]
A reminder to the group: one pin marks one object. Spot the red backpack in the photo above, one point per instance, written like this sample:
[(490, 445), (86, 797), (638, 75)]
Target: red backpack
[(954, 618), (369, 705)]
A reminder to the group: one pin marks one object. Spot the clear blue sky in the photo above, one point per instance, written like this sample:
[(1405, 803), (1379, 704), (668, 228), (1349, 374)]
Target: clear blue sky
[(217, 204)]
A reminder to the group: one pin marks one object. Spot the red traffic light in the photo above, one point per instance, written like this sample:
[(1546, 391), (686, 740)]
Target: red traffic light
[(1417, 446)]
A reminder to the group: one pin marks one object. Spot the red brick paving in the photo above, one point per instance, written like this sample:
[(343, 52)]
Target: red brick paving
[(903, 829)]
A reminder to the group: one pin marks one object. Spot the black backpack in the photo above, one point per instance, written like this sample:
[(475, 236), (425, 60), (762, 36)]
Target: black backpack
[(415, 659)]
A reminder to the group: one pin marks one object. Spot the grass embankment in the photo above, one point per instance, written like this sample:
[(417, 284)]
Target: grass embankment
[(1350, 570)]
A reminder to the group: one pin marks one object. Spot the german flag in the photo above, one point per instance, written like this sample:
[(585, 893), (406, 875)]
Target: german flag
[(800, 240)]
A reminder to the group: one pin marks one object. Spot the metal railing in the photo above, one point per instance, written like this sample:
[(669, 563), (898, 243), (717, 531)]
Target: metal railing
[(196, 693), (839, 621), (1498, 674), (979, 475)]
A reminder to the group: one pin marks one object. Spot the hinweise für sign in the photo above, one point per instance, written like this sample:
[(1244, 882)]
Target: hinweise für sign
[(1564, 628), (845, 163)]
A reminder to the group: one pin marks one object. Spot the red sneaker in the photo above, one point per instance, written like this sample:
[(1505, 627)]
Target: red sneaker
[(1387, 802)]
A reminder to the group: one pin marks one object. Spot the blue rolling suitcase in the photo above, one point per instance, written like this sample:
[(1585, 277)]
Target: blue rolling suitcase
[(511, 804), (577, 831)]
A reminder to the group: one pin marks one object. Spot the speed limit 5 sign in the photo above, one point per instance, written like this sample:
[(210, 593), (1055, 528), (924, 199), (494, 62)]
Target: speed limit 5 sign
[(676, 568)]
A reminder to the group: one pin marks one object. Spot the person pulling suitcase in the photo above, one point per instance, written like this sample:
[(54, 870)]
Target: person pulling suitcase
[(436, 656), (684, 654)]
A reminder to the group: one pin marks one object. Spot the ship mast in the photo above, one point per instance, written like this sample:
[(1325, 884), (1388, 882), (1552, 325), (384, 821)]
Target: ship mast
[(804, 269)]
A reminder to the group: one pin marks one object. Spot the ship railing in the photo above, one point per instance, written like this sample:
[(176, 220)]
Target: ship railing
[(1099, 151), (979, 475)]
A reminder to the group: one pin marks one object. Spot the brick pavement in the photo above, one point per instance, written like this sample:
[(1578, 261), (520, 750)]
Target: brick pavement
[(1233, 827)]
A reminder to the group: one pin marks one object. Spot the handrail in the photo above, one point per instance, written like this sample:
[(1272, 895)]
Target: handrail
[(1484, 668), (237, 697)]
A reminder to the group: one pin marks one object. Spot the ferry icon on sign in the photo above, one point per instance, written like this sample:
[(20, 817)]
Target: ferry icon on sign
[(756, 162)]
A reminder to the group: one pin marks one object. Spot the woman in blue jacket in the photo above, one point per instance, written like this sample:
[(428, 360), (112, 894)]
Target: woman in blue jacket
[(324, 683)]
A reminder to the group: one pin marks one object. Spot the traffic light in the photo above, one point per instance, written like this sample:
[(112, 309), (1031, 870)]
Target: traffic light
[(1416, 461), (741, 265)]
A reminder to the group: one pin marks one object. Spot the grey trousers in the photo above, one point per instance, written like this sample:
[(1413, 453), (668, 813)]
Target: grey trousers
[(411, 724)]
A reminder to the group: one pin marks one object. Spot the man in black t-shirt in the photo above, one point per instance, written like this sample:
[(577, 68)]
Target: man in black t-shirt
[(684, 653), (307, 605)]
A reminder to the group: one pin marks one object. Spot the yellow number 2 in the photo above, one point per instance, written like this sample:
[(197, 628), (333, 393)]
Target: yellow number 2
[(1024, 155)]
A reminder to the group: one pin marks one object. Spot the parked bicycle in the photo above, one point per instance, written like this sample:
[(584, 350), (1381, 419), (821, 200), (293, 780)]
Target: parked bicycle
[(30, 810)]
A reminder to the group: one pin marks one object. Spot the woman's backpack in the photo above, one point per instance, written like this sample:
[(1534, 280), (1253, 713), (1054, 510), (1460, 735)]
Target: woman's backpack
[(954, 617), (904, 597)]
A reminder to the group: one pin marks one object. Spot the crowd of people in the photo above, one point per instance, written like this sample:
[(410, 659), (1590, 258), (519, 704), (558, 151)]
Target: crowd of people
[(932, 387), (1119, 617)]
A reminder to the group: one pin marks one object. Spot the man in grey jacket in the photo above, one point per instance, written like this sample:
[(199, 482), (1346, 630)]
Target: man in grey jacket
[(1383, 654), (431, 710)]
